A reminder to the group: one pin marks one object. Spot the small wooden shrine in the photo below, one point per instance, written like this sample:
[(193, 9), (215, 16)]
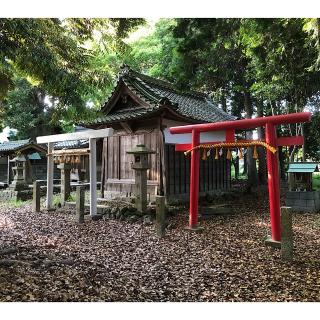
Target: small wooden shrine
[(300, 175), (35, 160), (301, 196)]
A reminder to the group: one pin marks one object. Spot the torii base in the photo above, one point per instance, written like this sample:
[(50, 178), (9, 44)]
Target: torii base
[(272, 243), (196, 229)]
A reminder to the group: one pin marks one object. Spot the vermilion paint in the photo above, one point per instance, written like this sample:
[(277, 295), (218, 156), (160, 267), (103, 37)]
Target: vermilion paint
[(194, 180), (272, 159), (245, 123)]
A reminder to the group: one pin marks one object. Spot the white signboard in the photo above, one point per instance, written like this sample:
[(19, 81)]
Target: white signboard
[(186, 137)]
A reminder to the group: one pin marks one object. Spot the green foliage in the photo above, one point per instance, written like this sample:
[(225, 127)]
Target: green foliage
[(72, 197), (156, 54), (312, 137), (316, 181), (57, 56), (16, 203), (56, 200), (24, 108)]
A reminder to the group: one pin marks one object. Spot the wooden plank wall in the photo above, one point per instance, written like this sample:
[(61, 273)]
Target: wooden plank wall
[(117, 163), (214, 174)]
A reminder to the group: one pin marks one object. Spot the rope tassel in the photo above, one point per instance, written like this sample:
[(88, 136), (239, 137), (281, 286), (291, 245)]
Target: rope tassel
[(217, 154), (240, 153), (229, 155), (204, 155), (255, 153)]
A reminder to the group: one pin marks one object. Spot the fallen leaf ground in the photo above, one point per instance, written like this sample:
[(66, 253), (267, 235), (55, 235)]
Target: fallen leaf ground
[(118, 261)]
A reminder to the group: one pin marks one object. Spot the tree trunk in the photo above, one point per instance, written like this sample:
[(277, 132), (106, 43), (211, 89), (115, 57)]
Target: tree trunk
[(235, 163), (252, 168), (282, 164), (262, 168), (245, 165), (224, 103), (304, 144)]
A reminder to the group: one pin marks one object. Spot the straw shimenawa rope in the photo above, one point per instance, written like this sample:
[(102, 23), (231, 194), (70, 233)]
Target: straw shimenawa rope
[(234, 144)]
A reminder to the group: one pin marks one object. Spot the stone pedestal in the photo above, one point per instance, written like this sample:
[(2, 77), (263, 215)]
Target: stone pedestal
[(36, 196), (80, 204), (160, 216), (65, 181), (141, 190), (304, 201), (272, 243), (286, 234)]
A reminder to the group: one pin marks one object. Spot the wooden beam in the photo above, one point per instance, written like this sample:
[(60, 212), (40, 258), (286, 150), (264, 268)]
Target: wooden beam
[(8, 171), (290, 141), (84, 151), (126, 127), (93, 176), (49, 176), (87, 134), (281, 141)]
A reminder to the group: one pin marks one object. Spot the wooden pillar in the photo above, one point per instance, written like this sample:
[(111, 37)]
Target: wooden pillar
[(286, 234), (194, 181), (273, 183), (160, 216), (49, 176), (27, 172), (80, 204), (8, 171), (65, 181), (93, 176), (36, 196)]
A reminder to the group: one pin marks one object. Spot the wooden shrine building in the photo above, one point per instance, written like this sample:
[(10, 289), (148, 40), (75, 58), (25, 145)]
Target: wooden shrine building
[(140, 110), (34, 153)]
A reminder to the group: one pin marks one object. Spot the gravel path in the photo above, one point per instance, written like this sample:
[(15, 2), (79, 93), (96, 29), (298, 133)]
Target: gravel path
[(59, 260)]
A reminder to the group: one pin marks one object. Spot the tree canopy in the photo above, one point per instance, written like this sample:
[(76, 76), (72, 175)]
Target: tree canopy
[(58, 56), (248, 66)]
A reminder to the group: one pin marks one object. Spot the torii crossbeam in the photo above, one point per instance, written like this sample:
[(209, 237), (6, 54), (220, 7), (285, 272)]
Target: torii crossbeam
[(91, 135), (269, 123)]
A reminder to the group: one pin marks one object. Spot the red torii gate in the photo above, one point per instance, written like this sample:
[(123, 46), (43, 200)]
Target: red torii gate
[(270, 124)]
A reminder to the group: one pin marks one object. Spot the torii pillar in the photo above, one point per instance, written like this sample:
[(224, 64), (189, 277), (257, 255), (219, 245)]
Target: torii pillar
[(270, 124), (89, 134)]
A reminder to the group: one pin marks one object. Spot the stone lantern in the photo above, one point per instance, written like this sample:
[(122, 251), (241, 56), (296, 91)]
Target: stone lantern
[(19, 173), (140, 165)]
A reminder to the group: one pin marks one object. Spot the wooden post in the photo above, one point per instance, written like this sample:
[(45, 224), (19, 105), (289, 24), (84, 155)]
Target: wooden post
[(36, 196), (92, 135), (65, 181), (273, 184), (49, 176), (291, 181), (194, 181), (8, 171), (160, 216), (286, 234), (93, 176), (80, 204)]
